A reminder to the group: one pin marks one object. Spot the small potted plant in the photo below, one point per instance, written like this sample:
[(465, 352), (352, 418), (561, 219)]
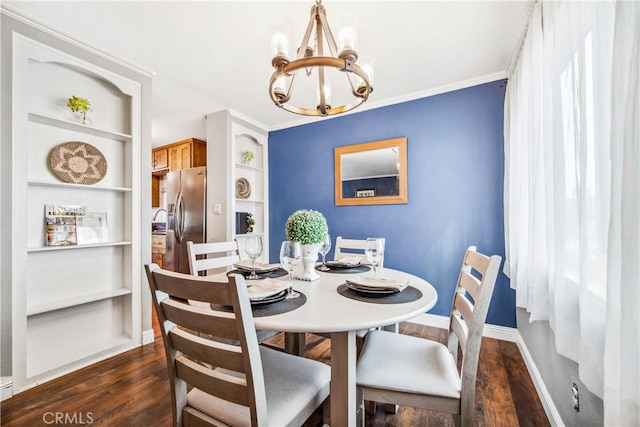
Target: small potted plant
[(247, 156), (250, 223), (79, 105), (310, 228)]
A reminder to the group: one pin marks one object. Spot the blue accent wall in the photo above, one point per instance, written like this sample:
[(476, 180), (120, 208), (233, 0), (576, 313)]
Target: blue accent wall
[(455, 153)]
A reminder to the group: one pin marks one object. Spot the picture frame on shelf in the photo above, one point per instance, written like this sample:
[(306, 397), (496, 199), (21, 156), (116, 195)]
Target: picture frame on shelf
[(61, 224), (92, 228)]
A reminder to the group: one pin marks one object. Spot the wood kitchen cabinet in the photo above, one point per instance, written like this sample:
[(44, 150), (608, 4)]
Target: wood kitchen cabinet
[(158, 258), (160, 159), (188, 153), (155, 191), (158, 249), (185, 154)]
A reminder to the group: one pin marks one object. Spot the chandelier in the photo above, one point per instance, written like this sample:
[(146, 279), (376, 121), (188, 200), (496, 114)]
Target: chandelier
[(310, 58)]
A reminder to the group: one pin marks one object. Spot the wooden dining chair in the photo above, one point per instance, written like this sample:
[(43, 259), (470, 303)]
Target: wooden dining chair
[(412, 371), (209, 256), (204, 257), (351, 247), (214, 383)]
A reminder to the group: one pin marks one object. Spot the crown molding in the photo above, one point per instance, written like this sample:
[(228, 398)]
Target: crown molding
[(401, 99), (41, 26)]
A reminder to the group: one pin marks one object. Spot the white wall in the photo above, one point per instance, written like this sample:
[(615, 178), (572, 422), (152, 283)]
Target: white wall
[(558, 374)]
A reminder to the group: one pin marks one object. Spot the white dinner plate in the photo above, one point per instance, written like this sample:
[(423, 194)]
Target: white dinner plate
[(373, 291), (270, 299), (260, 268), (376, 284)]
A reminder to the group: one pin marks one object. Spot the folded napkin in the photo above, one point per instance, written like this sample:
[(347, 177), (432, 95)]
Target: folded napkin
[(376, 284), (259, 266), (347, 260), (265, 288)]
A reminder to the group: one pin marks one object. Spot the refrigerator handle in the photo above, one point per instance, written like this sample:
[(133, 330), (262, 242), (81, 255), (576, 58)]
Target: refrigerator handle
[(179, 218)]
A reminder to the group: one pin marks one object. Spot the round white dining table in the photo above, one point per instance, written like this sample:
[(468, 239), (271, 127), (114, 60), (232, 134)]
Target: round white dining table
[(327, 311)]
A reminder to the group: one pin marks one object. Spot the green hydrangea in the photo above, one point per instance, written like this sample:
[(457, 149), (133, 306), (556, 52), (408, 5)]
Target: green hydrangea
[(75, 103), (307, 227)]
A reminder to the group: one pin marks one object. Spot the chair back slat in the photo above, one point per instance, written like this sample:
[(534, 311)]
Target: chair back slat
[(464, 307), (459, 328), (351, 247), (205, 350), (184, 287), (196, 319), (211, 263), (208, 256), (213, 381), (190, 331), (477, 261), (470, 283)]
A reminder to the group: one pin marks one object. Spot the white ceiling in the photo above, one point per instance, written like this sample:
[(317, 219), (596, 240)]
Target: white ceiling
[(211, 55)]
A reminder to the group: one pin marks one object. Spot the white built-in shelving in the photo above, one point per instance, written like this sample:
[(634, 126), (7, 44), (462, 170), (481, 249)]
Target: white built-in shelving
[(228, 135), (73, 305)]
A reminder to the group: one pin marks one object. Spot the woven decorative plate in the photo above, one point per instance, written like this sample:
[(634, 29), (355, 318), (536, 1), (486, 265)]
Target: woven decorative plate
[(77, 163), (243, 188)]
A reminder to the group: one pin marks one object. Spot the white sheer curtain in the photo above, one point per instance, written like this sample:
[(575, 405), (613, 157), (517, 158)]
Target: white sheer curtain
[(622, 354), (565, 181)]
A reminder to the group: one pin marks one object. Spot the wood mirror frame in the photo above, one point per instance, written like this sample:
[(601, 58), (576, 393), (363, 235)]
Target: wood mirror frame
[(369, 160)]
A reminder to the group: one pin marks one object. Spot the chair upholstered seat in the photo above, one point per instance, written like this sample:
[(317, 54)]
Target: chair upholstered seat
[(402, 363), (292, 382)]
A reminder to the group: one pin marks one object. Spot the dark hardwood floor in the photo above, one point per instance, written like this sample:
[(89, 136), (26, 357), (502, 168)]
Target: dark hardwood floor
[(132, 389)]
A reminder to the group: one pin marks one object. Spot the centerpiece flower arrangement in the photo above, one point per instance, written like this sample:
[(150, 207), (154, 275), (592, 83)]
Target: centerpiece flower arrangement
[(310, 228)]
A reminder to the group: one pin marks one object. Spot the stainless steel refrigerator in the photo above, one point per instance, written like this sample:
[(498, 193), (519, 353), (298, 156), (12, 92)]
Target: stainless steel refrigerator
[(186, 215)]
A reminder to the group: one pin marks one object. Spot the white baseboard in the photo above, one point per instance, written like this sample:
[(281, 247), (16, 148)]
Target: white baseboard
[(6, 388), (545, 398), (491, 331), (147, 336)]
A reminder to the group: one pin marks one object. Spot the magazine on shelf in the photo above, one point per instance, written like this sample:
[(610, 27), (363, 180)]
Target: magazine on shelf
[(60, 221), (92, 228)]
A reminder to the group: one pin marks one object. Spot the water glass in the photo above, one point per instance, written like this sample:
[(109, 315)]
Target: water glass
[(290, 258), (325, 247), (253, 249), (374, 250)]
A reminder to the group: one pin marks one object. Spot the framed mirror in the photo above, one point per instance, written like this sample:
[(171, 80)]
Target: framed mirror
[(373, 173)]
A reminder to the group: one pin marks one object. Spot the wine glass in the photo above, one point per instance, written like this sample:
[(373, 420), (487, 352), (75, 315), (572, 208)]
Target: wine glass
[(253, 248), (374, 250), (290, 257), (325, 247)]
